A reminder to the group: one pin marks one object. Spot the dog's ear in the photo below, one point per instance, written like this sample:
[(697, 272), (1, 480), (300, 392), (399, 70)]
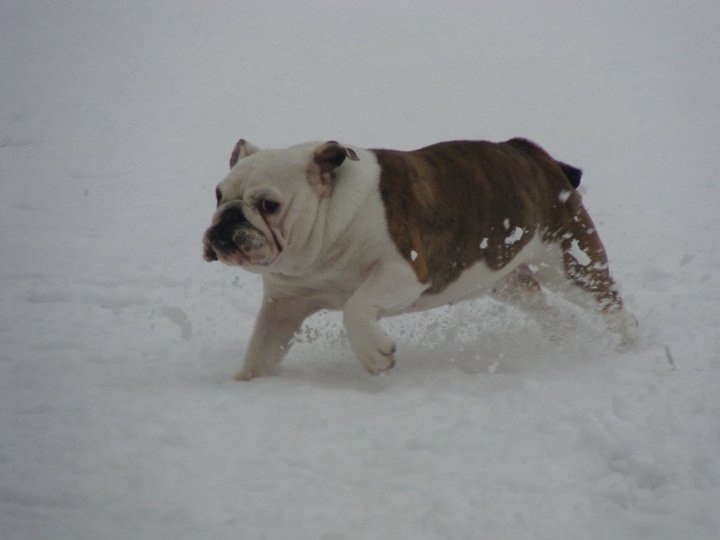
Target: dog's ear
[(327, 157), (242, 149), (330, 155)]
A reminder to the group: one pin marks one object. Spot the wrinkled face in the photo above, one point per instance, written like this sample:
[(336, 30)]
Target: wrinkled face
[(268, 205), (257, 206), (234, 240)]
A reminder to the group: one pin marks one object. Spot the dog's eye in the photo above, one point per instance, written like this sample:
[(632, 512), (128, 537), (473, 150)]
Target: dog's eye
[(218, 196), (267, 206)]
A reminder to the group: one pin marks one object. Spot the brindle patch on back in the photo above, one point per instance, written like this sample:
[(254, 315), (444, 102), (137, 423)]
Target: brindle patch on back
[(506, 193)]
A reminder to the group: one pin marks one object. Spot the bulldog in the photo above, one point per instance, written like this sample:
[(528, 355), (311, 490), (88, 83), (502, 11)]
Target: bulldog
[(377, 233)]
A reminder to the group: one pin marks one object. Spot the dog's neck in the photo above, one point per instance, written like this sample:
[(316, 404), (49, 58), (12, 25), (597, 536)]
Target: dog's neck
[(356, 181)]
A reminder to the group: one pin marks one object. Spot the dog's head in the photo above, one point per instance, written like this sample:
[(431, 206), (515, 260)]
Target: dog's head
[(268, 205)]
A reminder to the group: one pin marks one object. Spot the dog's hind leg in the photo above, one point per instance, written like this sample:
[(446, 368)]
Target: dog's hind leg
[(522, 290), (586, 278)]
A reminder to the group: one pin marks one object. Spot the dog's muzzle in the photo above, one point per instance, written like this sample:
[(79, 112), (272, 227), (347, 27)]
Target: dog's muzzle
[(232, 239)]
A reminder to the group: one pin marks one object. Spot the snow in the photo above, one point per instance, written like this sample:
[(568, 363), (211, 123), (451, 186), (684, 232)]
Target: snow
[(514, 236), (577, 253), (118, 418)]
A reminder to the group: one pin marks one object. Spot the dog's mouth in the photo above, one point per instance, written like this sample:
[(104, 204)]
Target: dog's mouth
[(241, 245)]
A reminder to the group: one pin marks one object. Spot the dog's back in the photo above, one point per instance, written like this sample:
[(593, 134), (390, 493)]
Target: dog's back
[(509, 188)]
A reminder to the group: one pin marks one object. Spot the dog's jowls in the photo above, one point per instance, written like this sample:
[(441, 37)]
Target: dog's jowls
[(382, 232)]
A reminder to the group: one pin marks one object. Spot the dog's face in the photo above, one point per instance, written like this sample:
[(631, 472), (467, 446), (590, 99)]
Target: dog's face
[(268, 206)]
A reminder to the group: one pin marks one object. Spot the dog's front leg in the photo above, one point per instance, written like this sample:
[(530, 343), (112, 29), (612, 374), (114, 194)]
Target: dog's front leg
[(391, 287), (277, 322)]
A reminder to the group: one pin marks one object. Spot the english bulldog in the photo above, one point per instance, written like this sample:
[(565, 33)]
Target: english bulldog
[(377, 233)]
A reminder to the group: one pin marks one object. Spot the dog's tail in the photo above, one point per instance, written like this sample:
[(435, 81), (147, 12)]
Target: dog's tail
[(573, 174)]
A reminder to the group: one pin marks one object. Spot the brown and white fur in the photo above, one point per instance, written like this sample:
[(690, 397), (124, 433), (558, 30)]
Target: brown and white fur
[(377, 233)]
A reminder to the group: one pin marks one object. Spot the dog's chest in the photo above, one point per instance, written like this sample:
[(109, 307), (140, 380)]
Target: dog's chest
[(325, 288)]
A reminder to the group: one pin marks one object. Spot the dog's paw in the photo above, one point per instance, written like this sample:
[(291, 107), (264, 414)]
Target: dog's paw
[(248, 373), (244, 375), (377, 360), (373, 347), (625, 325)]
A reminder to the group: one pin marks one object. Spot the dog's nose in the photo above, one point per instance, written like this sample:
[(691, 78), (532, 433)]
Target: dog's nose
[(222, 234), (232, 216), (225, 243)]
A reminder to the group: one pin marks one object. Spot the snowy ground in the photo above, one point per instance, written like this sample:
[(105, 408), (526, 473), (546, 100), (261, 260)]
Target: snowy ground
[(117, 416)]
